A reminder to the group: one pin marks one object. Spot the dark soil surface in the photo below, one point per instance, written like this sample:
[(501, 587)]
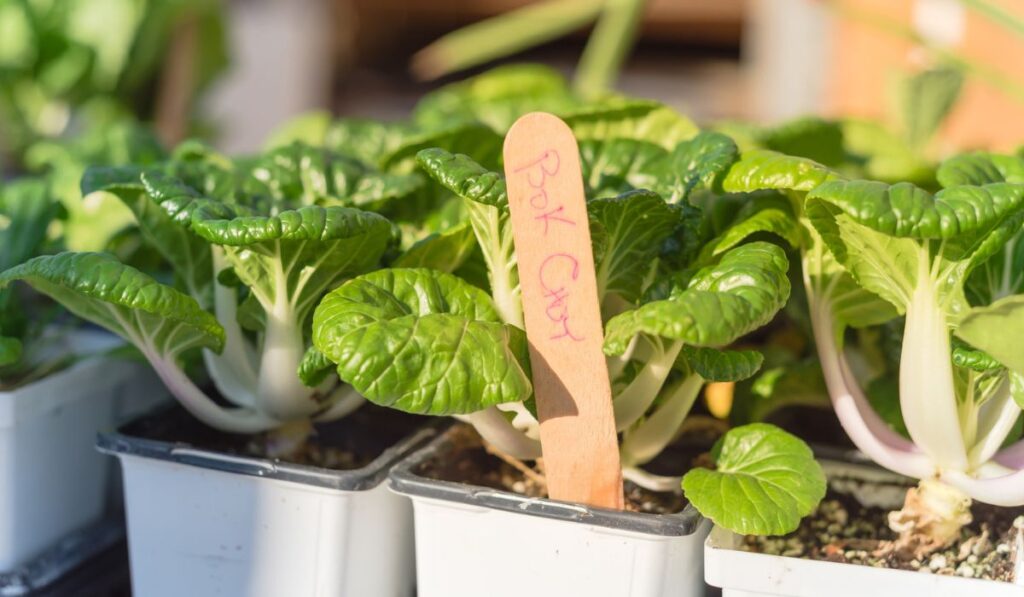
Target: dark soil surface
[(843, 530), (349, 443), (468, 461)]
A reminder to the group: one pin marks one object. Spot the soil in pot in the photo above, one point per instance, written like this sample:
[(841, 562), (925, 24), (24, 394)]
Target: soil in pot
[(845, 530), (468, 461), (346, 444)]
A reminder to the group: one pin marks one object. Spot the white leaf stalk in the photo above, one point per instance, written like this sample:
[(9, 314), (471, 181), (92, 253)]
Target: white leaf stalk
[(264, 383), (956, 430)]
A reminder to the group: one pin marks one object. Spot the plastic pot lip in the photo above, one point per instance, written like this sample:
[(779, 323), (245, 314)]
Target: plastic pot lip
[(361, 479), (404, 480)]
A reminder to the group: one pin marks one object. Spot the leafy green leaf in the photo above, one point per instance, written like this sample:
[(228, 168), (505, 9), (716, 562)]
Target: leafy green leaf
[(633, 227), (624, 118), (98, 288), (980, 168), (758, 213), (764, 482), (296, 254), (808, 137), (763, 169), (464, 177), (421, 341), (314, 367), (444, 251), (497, 97), (997, 329), (906, 211), (721, 302), (723, 365), (162, 209), (700, 160), (614, 166)]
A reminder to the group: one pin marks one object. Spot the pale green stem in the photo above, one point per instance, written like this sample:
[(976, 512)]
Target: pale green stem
[(233, 371), (495, 429), (633, 401), (651, 436)]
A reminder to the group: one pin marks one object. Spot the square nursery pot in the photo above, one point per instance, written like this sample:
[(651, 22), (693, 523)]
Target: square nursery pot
[(741, 573), (54, 487), (468, 536), (205, 522)]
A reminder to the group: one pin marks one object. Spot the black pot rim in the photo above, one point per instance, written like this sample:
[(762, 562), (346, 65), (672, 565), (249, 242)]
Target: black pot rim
[(116, 443), (403, 479)]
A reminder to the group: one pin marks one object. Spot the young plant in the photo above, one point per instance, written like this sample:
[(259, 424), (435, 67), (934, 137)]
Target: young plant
[(253, 244), (948, 263), (429, 342)]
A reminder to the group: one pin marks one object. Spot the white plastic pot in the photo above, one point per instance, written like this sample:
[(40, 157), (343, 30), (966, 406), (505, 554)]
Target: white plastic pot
[(52, 481), (473, 541), (746, 574), (204, 523)]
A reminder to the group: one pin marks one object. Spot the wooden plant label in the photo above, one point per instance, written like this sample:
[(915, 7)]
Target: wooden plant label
[(562, 314)]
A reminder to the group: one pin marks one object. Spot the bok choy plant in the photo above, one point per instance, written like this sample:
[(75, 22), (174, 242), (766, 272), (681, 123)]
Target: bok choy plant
[(253, 244), (949, 264), (429, 342)]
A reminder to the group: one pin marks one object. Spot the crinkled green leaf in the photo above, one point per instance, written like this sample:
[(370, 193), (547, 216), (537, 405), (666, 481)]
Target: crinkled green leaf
[(700, 160), (98, 288), (765, 480), (633, 227), (758, 214), (625, 118), (310, 128), (761, 169), (881, 234), (722, 302), (723, 365), (421, 341), (497, 97), (808, 137), (906, 211), (314, 367), (367, 140), (981, 168), (614, 166), (971, 358), (464, 177), (444, 251), (470, 138), (297, 254), (162, 209)]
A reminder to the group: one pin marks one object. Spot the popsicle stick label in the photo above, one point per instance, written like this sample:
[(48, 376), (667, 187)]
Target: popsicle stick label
[(562, 313)]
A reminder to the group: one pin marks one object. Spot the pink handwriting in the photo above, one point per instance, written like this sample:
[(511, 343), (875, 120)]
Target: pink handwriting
[(558, 270), (550, 276)]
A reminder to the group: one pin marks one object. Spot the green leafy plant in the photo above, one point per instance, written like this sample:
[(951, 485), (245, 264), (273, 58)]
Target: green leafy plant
[(429, 342), (253, 244), (946, 264)]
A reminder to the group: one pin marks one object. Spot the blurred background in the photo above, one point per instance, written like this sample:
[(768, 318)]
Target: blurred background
[(232, 71)]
